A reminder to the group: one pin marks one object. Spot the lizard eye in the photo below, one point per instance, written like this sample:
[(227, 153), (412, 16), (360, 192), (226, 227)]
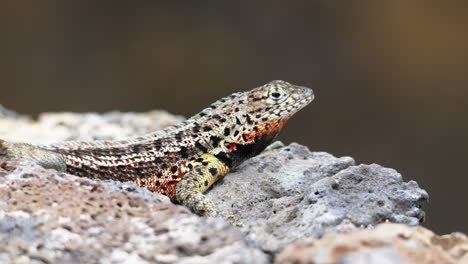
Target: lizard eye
[(275, 95)]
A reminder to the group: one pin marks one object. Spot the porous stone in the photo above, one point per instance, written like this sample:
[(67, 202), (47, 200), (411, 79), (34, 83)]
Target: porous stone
[(51, 217), (293, 194), (387, 243), (282, 196), (56, 127)]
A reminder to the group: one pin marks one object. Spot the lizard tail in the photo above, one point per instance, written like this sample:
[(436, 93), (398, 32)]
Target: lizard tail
[(46, 158), (3, 148)]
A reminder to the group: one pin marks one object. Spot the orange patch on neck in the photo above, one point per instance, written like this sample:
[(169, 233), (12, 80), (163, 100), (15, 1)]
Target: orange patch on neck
[(265, 128), (232, 146)]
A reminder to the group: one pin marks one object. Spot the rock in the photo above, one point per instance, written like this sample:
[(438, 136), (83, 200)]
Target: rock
[(282, 196), (387, 243), (51, 217), (291, 194), (10, 114), (56, 127)]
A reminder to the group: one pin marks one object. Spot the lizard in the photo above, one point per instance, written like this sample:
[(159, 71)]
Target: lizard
[(184, 160)]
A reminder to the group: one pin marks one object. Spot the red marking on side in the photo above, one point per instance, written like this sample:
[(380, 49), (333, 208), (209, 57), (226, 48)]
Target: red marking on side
[(265, 128), (166, 184), (232, 146)]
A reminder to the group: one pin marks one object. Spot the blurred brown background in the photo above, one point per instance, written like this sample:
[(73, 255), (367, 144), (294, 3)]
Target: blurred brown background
[(390, 76)]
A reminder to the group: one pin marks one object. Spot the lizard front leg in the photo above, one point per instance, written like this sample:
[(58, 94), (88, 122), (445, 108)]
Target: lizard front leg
[(205, 172)]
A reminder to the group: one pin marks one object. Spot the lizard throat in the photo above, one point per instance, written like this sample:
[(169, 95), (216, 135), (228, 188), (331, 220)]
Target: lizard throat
[(241, 152)]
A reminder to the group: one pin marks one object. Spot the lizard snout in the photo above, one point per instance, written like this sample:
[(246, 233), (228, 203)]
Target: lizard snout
[(307, 92)]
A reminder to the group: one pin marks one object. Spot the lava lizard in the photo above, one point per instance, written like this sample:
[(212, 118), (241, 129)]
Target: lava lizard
[(181, 161)]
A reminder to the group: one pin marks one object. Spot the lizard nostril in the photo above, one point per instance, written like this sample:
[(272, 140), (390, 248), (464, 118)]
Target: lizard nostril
[(307, 91)]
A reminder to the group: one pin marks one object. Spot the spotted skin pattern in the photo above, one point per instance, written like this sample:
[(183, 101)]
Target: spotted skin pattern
[(184, 160)]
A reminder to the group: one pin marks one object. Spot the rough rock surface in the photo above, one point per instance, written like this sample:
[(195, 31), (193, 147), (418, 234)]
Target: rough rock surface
[(387, 243), (7, 113), (294, 194), (282, 196), (50, 217), (55, 127)]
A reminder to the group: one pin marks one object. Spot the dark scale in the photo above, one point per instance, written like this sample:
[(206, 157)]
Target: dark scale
[(249, 120), (201, 147), (244, 152), (215, 141)]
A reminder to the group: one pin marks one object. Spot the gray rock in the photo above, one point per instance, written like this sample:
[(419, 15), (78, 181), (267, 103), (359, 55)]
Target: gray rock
[(57, 127), (385, 243), (50, 217), (10, 114), (291, 194), (383, 255), (281, 196)]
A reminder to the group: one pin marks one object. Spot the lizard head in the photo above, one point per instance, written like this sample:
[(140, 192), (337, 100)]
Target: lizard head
[(247, 115), (265, 109), (278, 100), (245, 123)]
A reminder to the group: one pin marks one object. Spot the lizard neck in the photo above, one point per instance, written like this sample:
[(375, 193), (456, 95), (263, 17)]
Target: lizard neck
[(243, 152)]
